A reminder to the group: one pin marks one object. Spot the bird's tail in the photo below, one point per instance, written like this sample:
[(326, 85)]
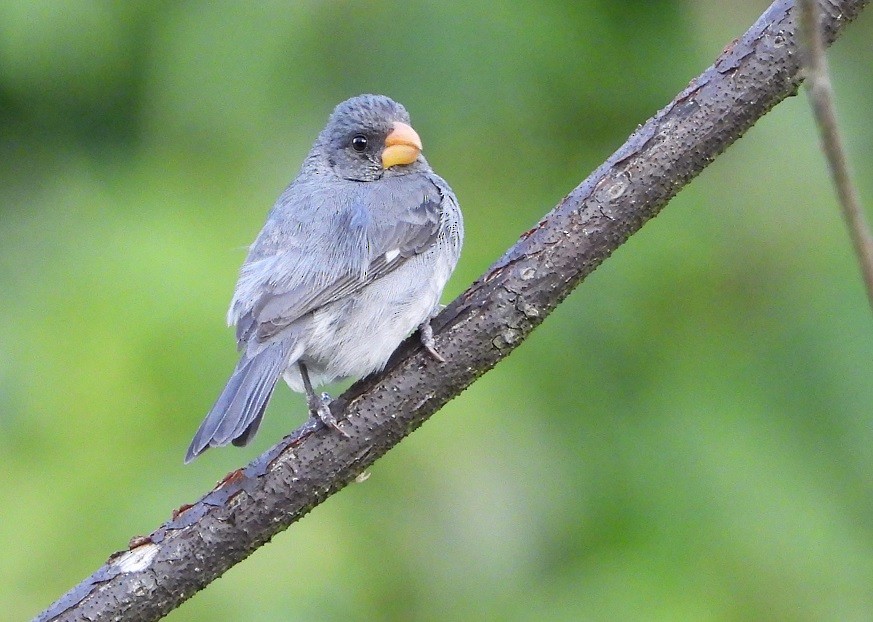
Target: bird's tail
[(237, 412)]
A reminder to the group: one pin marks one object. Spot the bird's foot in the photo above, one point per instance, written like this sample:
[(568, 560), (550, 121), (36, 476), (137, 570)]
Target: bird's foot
[(319, 407), (425, 332)]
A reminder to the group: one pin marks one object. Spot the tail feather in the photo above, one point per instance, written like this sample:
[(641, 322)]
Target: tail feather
[(237, 412), (249, 433), (242, 436), (251, 399)]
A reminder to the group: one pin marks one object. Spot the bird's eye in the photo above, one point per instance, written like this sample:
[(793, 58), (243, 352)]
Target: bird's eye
[(359, 142)]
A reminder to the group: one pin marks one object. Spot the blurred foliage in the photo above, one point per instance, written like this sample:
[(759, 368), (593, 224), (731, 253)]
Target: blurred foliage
[(687, 438)]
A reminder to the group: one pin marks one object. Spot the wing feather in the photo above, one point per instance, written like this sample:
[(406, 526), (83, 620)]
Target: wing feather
[(318, 247)]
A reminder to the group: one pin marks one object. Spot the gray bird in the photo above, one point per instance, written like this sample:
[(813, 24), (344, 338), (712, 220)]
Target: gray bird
[(352, 259)]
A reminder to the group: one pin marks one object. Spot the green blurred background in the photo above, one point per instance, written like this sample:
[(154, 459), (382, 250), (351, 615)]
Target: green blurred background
[(688, 437)]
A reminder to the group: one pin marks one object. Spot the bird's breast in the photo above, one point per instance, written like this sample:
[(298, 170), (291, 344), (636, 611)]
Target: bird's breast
[(356, 335)]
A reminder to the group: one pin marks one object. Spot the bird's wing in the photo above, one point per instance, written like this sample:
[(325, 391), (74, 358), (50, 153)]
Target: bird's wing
[(305, 259)]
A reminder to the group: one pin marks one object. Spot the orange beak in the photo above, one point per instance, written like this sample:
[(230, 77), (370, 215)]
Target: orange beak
[(402, 146)]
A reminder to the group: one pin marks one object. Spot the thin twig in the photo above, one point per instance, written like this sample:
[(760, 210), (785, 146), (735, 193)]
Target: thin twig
[(821, 96)]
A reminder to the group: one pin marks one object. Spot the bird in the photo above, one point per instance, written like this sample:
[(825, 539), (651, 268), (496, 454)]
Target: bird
[(352, 259)]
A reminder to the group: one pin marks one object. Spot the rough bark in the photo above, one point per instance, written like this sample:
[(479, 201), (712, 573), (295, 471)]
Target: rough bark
[(497, 312)]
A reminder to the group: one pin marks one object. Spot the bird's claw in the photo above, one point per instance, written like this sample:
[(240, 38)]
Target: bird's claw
[(426, 334), (319, 407)]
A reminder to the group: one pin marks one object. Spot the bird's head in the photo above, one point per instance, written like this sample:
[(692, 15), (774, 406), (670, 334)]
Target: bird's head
[(366, 138)]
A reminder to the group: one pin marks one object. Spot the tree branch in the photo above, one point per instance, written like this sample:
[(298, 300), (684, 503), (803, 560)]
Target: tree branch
[(477, 330), (821, 96)]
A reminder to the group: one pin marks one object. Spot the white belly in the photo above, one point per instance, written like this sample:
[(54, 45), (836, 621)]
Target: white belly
[(356, 336)]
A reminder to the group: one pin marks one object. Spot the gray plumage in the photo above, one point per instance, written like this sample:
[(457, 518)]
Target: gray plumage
[(352, 259)]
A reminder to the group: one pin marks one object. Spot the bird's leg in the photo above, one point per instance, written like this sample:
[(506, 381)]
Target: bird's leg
[(425, 333), (319, 405)]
